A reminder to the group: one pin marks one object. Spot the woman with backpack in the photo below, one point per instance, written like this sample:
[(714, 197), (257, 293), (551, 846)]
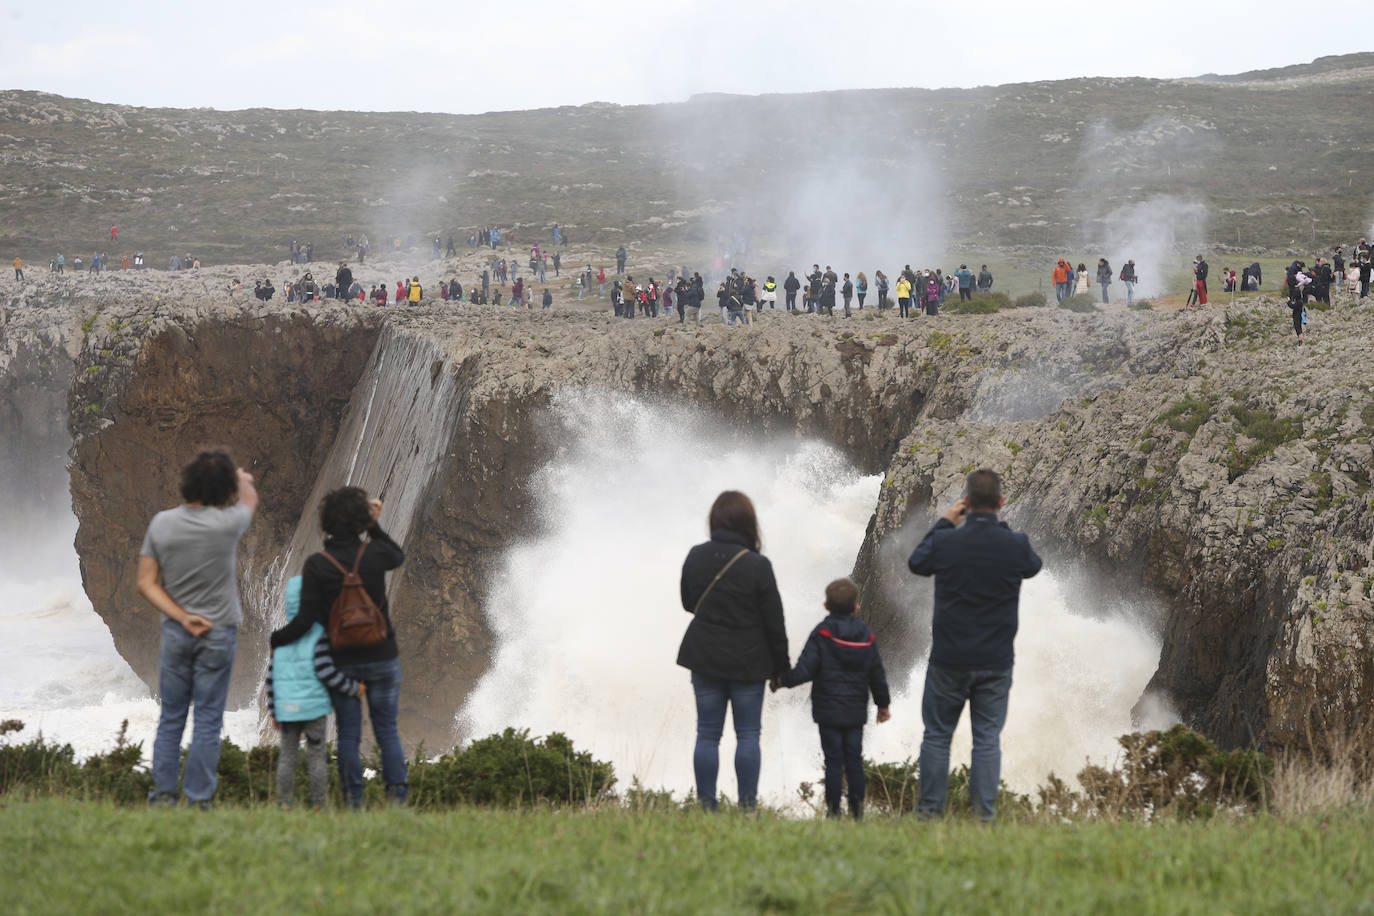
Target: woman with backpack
[(736, 642), (357, 624)]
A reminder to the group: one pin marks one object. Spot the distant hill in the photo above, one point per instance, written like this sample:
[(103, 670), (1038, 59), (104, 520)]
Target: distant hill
[(1029, 164)]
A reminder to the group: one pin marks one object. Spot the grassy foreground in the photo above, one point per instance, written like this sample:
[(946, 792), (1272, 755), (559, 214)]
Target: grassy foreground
[(71, 857)]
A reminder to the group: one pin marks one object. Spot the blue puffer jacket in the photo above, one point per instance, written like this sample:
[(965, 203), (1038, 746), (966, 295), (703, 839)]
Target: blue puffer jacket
[(842, 660), (297, 694)]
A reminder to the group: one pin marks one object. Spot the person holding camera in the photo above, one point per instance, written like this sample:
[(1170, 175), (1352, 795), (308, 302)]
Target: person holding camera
[(978, 563)]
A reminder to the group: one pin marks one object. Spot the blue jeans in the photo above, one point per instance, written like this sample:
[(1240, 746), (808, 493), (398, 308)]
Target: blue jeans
[(1130, 291), (843, 750), (746, 702), (383, 680), (946, 691), (193, 670)]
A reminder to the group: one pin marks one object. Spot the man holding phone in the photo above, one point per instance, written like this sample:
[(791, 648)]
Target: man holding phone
[(978, 563)]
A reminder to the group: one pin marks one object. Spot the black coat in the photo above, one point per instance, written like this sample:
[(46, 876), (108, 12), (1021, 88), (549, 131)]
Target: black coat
[(321, 584), (738, 634), (841, 660)]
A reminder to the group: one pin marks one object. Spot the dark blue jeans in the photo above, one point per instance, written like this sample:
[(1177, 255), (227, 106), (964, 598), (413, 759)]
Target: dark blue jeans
[(843, 749), (946, 691), (383, 680), (192, 671), (746, 702)]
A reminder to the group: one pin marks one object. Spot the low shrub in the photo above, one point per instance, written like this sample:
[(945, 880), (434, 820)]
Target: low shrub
[(512, 769), (980, 304), (1082, 303), (1029, 300), (1176, 773), (1268, 431), (1142, 305)]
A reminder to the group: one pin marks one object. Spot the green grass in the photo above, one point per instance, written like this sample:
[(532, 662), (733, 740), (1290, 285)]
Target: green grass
[(68, 857)]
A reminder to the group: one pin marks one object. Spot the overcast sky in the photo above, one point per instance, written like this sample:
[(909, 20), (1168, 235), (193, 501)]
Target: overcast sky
[(473, 56)]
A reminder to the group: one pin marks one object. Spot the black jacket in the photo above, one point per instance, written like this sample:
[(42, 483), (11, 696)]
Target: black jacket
[(841, 660), (738, 634), (320, 585), (1200, 271), (978, 568), (1104, 274), (791, 284)]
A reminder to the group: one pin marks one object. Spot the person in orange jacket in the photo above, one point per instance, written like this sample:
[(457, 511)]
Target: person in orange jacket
[(1061, 280)]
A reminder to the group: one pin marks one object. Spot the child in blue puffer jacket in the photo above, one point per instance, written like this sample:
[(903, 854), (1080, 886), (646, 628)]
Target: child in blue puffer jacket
[(299, 679), (842, 662)]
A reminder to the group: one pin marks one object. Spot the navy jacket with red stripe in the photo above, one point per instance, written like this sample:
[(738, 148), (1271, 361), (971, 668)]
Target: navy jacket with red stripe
[(841, 660)]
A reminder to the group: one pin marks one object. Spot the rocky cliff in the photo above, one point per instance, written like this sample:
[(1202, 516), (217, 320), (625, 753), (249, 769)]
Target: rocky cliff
[(1199, 460)]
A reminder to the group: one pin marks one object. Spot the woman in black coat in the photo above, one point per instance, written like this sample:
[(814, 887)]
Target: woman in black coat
[(735, 643), (345, 515)]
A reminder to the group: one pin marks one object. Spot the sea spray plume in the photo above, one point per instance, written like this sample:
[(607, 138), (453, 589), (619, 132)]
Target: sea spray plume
[(1136, 196), (1158, 234), (587, 617), (834, 178)]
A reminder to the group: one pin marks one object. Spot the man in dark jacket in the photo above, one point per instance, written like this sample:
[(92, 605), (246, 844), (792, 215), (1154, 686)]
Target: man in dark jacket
[(1104, 277), (790, 287), (978, 564), (842, 662)]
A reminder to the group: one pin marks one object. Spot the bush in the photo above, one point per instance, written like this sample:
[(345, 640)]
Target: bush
[(893, 788), (1187, 415), (980, 304), (1082, 303), (512, 769), (1177, 772), (1029, 300), (1268, 431), (1142, 305)]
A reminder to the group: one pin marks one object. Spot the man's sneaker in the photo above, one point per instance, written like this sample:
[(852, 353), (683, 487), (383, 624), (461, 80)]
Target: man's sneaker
[(161, 800)]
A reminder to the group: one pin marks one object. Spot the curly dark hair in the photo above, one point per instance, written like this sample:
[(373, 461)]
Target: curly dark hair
[(345, 512), (733, 511), (211, 478)]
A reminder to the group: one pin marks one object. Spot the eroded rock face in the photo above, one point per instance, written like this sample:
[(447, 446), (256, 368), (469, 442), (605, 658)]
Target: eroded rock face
[(151, 390), (1260, 568), (1231, 481)]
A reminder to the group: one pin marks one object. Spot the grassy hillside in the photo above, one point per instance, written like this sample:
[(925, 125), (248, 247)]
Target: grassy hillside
[(1276, 159)]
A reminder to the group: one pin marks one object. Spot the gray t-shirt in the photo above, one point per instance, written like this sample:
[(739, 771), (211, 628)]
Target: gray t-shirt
[(195, 548)]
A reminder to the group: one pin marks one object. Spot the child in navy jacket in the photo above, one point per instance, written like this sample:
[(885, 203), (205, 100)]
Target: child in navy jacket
[(842, 662)]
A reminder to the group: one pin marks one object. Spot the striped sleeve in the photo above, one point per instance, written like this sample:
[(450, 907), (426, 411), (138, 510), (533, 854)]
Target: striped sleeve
[(330, 676)]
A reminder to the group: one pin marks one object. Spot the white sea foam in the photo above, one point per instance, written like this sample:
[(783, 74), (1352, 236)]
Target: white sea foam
[(588, 619), (59, 671)]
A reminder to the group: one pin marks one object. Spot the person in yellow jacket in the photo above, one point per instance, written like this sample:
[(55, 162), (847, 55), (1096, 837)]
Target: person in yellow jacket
[(415, 291), (903, 296), (18, 269)]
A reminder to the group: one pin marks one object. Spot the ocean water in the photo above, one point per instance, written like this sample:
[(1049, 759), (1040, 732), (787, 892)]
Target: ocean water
[(588, 618), (59, 671)]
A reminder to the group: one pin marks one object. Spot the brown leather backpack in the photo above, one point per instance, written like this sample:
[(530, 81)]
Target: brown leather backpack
[(355, 621)]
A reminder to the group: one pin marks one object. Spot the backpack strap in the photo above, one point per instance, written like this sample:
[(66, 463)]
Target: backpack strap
[(357, 560)]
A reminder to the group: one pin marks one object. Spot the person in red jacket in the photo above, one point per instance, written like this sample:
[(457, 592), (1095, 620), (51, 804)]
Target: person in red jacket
[(114, 233), (401, 291)]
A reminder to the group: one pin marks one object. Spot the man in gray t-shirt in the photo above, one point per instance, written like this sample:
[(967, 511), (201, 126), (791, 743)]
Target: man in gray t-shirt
[(194, 547), (187, 570)]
